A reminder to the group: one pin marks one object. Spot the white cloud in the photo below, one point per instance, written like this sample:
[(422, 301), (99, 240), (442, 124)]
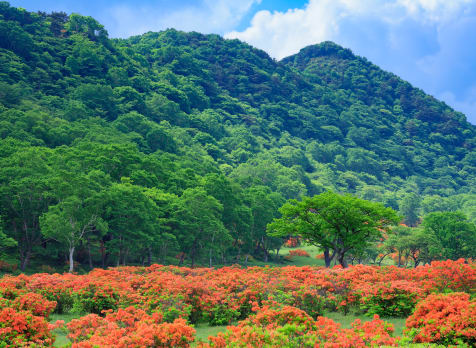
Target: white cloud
[(207, 16), (284, 33)]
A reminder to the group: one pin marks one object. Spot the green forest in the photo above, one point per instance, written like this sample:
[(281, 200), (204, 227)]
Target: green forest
[(180, 148)]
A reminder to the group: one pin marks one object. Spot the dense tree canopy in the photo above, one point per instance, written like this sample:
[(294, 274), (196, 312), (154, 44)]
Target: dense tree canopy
[(159, 121)]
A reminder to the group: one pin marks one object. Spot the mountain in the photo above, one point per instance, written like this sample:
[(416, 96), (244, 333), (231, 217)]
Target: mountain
[(138, 132)]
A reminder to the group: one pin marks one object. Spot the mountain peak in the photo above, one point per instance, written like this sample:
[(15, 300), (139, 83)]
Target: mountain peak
[(323, 49)]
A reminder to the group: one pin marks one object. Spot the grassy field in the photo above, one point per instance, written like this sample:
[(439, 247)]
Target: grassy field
[(61, 339), (346, 321)]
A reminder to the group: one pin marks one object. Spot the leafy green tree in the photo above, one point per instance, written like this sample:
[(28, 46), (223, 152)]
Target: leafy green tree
[(410, 209), (132, 218), (341, 223), (25, 194), (264, 206), (397, 242), (199, 225), (422, 246), (77, 213), (236, 215), (455, 234)]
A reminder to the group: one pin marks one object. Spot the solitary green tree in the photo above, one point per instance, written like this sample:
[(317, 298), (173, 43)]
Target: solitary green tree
[(455, 234), (340, 223)]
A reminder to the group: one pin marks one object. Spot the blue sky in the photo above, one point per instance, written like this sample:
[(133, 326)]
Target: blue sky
[(430, 43)]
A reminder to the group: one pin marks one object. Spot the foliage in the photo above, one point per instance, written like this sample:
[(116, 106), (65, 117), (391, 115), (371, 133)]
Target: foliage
[(338, 222)]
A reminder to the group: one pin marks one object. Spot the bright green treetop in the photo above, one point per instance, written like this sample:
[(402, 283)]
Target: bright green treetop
[(341, 223)]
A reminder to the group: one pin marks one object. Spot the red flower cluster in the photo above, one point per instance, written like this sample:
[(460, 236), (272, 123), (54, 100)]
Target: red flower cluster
[(448, 319), (299, 252), (23, 319), (138, 305), (129, 327), (292, 242)]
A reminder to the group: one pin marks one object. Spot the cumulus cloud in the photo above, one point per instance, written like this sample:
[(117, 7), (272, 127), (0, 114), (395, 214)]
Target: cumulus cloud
[(431, 43), (205, 16)]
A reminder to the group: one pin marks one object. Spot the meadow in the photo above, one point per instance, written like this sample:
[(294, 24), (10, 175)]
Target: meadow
[(258, 306)]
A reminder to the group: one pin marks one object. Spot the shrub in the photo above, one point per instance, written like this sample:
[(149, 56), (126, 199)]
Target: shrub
[(299, 252), (129, 327), (23, 329), (292, 242), (96, 299), (63, 297), (35, 303), (222, 315), (448, 319)]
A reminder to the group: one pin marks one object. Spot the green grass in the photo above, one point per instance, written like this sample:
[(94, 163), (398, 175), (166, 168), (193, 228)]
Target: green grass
[(204, 330), (62, 333), (346, 321)]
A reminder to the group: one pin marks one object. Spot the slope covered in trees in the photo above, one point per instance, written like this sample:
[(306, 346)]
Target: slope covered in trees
[(185, 145)]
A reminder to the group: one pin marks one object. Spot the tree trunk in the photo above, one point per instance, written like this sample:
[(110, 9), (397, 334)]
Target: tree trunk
[(342, 260), (103, 254), (25, 260), (149, 256), (182, 258), (327, 257), (246, 259), (192, 257), (71, 260), (124, 258), (90, 259)]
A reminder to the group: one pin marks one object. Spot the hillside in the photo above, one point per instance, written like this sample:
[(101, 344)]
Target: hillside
[(144, 139)]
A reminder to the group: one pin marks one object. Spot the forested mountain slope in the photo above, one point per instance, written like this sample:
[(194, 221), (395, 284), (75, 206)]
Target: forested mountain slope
[(139, 141)]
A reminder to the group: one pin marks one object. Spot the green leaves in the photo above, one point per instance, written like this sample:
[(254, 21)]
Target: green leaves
[(456, 235), (341, 223)]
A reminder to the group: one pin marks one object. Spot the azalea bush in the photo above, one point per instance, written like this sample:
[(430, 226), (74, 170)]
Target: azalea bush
[(129, 327), (299, 252), (292, 242), (448, 319), (22, 329), (96, 298)]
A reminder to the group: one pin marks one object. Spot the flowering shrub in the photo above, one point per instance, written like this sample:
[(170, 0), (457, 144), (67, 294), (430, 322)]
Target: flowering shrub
[(95, 299), (389, 299), (35, 303), (21, 328), (445, 319), (129, 327), (134, 306), (320, 256), (62, 296), (299, 252), (292, 242)]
